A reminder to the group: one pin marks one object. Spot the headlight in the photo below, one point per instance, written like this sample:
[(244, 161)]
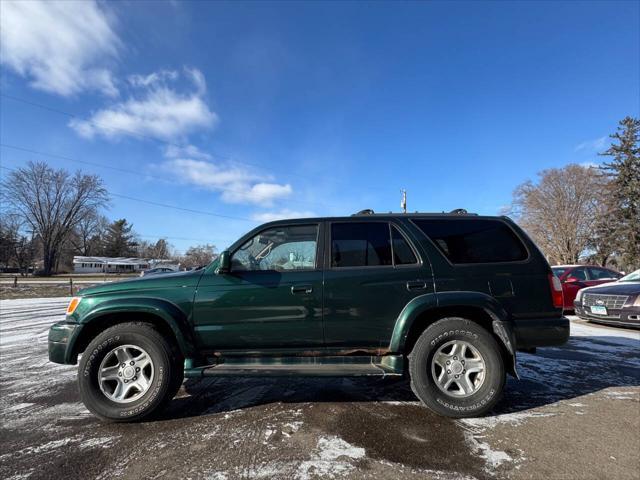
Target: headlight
[(579, 297), (637, 302), (73, 304)]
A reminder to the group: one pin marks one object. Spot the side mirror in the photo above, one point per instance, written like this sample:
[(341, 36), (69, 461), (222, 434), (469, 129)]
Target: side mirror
[(571, 280), (224, 266)]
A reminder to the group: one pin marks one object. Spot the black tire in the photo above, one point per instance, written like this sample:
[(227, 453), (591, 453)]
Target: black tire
[(167, 373), (424, 385)]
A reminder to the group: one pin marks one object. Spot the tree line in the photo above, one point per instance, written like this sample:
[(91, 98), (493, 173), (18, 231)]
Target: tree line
[(53, 215), (590, 213)]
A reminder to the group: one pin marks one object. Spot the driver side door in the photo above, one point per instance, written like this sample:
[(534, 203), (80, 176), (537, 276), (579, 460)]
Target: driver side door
[(271, 300)]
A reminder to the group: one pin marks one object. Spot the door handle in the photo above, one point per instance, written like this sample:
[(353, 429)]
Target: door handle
[(297, 289), (416, 285)]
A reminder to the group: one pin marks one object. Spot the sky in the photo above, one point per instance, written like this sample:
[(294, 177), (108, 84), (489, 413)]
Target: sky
[(205, 119)]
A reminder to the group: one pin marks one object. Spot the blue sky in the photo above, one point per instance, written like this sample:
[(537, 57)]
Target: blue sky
[(263, 110)]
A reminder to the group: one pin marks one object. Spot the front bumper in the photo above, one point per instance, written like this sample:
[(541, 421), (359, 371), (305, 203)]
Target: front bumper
[(627, 316), (61, 339), (541, 332)]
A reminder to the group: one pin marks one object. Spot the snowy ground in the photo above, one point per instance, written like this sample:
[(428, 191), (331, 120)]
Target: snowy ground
[(574, 414)]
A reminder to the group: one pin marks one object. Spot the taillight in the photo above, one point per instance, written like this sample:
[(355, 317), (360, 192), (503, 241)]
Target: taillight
[(556, 291)]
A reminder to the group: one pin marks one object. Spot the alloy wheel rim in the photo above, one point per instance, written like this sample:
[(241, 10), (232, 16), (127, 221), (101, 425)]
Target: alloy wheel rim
[(458, 368), (125, 373)]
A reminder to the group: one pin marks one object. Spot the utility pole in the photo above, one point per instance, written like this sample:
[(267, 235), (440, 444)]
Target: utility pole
[(403, 202)]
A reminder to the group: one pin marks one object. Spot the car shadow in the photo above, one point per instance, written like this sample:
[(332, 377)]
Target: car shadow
[(582, 366)]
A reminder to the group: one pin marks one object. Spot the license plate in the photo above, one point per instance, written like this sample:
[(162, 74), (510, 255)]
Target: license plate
[(599, 310)]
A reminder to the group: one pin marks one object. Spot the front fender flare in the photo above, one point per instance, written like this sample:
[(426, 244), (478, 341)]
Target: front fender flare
[(165, 311)]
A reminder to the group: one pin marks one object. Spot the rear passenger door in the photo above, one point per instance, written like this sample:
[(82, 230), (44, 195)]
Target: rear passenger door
[(371, 272)]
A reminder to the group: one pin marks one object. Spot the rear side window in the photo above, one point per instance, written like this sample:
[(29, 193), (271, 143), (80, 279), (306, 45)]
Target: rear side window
[(473, 241), (402, 252), (360, 245), (602, 274), (579, 273)]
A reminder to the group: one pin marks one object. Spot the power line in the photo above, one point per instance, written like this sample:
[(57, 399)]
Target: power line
[(143, 136), (167, 237), (164, 205), (124, 170)]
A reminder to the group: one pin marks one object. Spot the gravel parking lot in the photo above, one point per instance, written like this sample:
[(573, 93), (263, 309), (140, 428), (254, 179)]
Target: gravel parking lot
[(574, 414)]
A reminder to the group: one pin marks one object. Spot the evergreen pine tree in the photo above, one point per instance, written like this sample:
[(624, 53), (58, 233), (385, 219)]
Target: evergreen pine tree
[(624, 171), (119, 240)]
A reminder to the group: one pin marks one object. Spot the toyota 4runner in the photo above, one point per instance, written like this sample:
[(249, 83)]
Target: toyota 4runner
[(446, 299)]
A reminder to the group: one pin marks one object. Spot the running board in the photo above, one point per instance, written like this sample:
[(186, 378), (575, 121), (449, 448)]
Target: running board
[(303, 367)]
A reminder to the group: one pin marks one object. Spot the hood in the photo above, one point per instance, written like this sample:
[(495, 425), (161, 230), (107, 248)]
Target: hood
[(177, 279), (615, 288)]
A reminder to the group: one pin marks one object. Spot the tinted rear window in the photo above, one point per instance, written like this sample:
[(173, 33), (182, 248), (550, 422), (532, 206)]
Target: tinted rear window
[(474, 240)]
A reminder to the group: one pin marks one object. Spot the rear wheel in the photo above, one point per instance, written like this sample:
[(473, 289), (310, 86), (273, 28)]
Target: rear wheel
[(128, 372), (456, 368)]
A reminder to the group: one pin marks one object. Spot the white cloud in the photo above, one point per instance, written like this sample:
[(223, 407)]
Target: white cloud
[(61, 47), (152, 78), (592, 145), (281, 214), (185, 151), (236, 185), (159, 111)]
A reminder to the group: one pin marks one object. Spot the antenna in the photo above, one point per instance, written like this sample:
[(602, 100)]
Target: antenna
[(403, 202)]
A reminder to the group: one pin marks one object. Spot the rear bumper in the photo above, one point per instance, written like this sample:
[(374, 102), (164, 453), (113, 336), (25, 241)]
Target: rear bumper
[(541, 332), (61, 338)]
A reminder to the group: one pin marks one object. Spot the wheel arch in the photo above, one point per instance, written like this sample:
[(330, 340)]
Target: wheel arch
[(425, 310), (165, 317)]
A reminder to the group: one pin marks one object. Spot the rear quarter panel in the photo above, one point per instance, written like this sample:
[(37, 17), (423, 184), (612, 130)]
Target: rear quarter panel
[(522, 288)]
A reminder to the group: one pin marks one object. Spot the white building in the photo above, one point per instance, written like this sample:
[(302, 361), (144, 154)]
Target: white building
[(117, 264)]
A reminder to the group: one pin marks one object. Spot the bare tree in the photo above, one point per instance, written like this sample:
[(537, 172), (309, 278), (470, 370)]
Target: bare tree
[(24, 251), (88, 236), (199, 256), (53, 203), (561, 210)]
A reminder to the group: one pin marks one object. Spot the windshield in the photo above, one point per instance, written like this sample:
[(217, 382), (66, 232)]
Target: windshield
[(632, 277)]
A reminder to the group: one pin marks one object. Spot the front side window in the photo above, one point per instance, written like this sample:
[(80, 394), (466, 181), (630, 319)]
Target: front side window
[(579, 274), (473, 240), (280, 248)]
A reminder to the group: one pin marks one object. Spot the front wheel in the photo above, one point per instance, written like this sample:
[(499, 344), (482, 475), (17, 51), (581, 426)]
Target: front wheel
[(456, 368), (127, 373)]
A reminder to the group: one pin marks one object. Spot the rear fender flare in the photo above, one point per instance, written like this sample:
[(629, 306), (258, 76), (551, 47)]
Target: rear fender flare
[(500, 323)]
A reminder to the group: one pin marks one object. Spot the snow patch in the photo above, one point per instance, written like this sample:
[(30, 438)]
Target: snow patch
[(493, 458), (333, 458), (623, 395), (509, 418)]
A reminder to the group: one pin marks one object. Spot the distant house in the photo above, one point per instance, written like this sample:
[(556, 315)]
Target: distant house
[(118, 264)]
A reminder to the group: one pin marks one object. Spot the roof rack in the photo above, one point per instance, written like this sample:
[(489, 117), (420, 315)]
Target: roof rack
[(366, 211), (457, 211)]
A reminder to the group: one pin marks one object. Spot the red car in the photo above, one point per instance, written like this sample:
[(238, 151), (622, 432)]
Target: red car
[(575, 277)]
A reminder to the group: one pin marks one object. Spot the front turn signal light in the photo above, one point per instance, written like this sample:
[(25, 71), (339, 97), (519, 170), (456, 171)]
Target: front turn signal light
[(73, 304)]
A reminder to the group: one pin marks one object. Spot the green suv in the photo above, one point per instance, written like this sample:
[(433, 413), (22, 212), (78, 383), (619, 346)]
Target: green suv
[(446, 299)]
